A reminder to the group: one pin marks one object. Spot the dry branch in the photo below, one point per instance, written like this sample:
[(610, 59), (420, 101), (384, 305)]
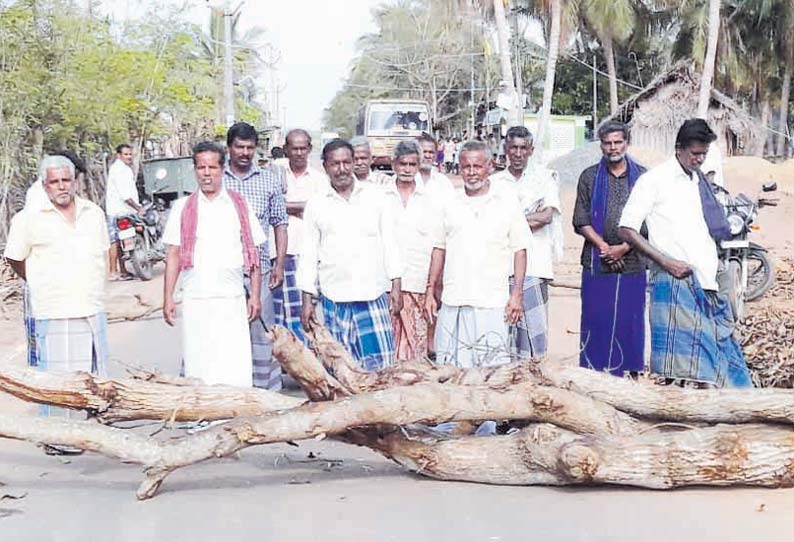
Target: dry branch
[(134, 399)]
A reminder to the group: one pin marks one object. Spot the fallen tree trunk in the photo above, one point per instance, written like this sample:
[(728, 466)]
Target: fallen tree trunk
[(585, 428)]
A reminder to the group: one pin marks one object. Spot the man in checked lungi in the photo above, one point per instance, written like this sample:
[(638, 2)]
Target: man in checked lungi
[(415, 210), (59, 248), (302, 182), (612, 335), (350, 262), (691, 322), (262, 190), (538, 191), (480, 240)]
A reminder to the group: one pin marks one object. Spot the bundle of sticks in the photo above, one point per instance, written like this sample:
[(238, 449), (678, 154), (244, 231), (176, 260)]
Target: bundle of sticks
[(571, 426)]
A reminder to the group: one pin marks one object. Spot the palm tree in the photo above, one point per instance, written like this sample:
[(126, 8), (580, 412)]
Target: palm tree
[(500, 20), (613, 22), (711, 56), (786, 46), (552, 52)]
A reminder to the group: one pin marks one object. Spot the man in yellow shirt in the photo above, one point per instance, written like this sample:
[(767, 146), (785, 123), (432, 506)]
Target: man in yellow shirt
[(60, 249)]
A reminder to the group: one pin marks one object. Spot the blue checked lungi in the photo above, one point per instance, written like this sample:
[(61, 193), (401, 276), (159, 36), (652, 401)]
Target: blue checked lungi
[(30, 326), (692, 334), (287, 300), (71, 344), (267, 371), (613, 322), (364, 328), (531, 335)]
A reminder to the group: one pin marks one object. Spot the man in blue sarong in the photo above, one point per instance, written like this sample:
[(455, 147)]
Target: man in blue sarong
[(691, 322), (613, 275)]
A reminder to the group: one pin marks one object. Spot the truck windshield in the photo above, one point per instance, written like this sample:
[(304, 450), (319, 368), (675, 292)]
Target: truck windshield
[(385, 119)]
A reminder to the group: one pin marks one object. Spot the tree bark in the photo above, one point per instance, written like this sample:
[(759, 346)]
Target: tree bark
[(708, 63), (782, 137), (551, 70)]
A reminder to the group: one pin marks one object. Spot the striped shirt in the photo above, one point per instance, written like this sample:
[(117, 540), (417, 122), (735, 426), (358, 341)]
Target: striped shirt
[(263, 191)]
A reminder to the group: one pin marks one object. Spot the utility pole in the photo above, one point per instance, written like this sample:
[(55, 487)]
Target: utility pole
[(228, 75)]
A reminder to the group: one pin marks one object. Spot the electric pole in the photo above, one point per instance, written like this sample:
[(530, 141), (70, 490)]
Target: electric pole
[(228, 75)]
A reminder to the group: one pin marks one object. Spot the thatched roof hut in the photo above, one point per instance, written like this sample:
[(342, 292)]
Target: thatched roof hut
[(656, 113)]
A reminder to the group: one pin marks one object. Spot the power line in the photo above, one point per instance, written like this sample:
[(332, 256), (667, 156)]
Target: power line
[(417, 89)]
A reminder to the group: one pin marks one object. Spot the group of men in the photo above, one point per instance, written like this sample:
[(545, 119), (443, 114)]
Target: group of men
[(397, 267)]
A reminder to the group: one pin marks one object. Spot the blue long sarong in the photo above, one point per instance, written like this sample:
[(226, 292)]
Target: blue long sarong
[(692, 334), (613, 322), (364, 328)]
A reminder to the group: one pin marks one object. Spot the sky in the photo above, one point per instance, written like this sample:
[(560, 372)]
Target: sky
[(316, 39)]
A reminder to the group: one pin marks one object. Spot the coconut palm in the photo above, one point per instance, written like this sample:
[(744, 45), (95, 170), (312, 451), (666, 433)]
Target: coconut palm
[(711, 56), (613, 22)]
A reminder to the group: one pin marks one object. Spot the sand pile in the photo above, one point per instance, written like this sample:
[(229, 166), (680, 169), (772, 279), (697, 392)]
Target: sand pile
[(747, 169)]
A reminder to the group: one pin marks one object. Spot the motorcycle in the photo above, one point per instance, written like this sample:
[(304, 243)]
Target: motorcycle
[(747, 270), (140, 238)]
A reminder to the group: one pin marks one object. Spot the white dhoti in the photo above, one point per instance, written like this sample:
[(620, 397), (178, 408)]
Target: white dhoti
[(471, 337), (216, 341)]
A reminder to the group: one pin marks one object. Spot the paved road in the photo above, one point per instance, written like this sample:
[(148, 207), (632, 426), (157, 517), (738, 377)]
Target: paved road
[(346, 494)]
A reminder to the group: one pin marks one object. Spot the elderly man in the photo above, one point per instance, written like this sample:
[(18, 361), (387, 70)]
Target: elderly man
[(362, 163), (303, 181), (59, 249), (691, 322), (415, 211), (480, 241), (350, 258), (212, 237), (538, 191), (613, 275), (436, 182), (262, 190), (121, 199)]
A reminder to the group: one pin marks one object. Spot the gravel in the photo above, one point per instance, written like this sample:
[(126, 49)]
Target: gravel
[(570, 166)]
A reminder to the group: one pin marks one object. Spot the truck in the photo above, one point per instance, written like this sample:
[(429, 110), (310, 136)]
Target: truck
[(386, 122)]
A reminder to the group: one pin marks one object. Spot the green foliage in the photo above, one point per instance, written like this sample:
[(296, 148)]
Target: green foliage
[(68, 80)]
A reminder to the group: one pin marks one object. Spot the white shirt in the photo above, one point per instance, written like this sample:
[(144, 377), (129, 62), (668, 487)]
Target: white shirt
[(218, 254), (65, 264), (439, 185), (414, 225), (538, 187), (349, 245), (299, 188), (120, 188), (481, 236), (668, 200)]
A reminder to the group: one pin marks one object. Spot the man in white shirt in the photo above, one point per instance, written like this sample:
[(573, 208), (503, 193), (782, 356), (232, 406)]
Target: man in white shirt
[(362, 163), (428, 176), (691, 323), (480, 241), (538, 190), (212, 237), (303, 181), (350, 257), (121, 199), (415, 212), (60, 249)]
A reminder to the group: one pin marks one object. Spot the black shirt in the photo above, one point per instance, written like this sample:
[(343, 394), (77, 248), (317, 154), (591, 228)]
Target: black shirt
[(617, 196)]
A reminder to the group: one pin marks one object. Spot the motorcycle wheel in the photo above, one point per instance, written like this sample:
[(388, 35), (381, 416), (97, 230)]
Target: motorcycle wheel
[(736, 295), (760, 274), (141, 264)]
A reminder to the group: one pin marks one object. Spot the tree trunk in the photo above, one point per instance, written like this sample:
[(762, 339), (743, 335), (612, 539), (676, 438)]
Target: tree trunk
[(579, 426), (711, 57), (782, 137), (551, 69), (764, 136), (609, 55), (504, 60)]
